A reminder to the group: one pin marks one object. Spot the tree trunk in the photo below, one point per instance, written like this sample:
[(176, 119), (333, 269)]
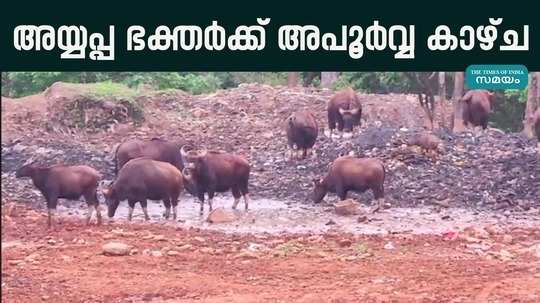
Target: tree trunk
[(442, 98), (532, 103), (459, 79), (457, 121), (309, 76), (328, 78), (292, 79)]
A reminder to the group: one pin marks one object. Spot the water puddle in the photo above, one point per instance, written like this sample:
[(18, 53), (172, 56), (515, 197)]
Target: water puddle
[(276, 217)]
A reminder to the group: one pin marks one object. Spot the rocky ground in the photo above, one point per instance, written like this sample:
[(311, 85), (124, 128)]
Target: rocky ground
[(167, 263), (494, 175)]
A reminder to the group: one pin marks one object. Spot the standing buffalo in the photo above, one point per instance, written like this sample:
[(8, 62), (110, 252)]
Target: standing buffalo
[(212, 171), (156, 149), (302, 130), (67, 182), (142, 179), (344, 109), (476, 107), (350, 173)]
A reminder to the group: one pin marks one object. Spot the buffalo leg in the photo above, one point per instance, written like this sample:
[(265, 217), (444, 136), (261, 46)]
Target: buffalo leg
[(341, 192), (174, 208), (340, 126), (144, 206), (98, 214), (378, 194), (210, 199), (304, 153), (331, 124), (92, 201), (201, 201), (174, 203), (131, 204), (245, 192), (246, 201), (236, 194), (52, 200), (89, 213), (167, 203)]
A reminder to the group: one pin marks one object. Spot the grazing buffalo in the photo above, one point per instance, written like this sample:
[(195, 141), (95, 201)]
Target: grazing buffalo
[(427, 142), (156, 149), (65, 182), (142, 179), (302, 130), (344, 109), (212, 171), (350, 173), (476, 107)]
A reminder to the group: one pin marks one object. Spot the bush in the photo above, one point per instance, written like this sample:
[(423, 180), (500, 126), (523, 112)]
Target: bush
[(373, 82), (118, 93)]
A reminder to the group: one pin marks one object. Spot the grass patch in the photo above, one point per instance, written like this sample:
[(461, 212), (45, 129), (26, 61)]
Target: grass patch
[(117, 93), (110, 90)]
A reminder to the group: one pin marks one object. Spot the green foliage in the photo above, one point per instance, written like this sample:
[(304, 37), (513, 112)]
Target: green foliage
[(110, 90), (374, 82), (508, 109), (118, 93)]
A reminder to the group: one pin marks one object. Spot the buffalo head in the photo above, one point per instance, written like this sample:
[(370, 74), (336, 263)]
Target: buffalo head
[(351, 118)]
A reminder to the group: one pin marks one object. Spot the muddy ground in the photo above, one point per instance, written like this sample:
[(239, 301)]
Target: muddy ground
[(463, 227), (170, 263)]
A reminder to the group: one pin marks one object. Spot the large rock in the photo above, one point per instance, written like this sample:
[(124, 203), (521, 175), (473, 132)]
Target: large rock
[(220, 215), (346, 208), (116, 249)]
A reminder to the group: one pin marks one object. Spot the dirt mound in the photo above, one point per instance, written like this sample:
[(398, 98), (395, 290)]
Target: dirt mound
[(82, 106), (22, 114)]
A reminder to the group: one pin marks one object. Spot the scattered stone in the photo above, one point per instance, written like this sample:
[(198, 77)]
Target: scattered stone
[(362, 219), (51, 241), (494, 229), (108, 236), (479, 246), (156, 253), (345, 242), (535, 250), (389, 246), (330, 222), (206, 250), (469, 239), (160, 238), (246, 255), (477, 232), (346, 208), (350, 258), (502, 255), (172, 253), (450, 235), (199, 239), (185, 247), (221, 215), (15, 262), (116, 249)]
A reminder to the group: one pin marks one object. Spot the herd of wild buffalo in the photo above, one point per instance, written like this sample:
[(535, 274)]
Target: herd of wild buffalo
[(159, 170)]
